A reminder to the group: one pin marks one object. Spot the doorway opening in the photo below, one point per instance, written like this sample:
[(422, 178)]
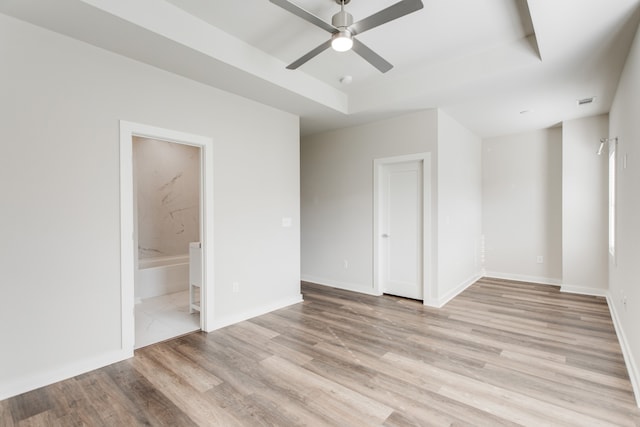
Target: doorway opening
[(402, 226), (166, 233), (166, 177)]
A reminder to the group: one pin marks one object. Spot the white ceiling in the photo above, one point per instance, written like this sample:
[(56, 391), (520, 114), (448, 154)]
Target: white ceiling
[(481, 61)]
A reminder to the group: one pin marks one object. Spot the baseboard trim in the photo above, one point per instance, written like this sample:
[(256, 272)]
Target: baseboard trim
[(632, 369), (523, 278), (442, 301), (259, 311), (339, 285), (41, 379), (581, 290)]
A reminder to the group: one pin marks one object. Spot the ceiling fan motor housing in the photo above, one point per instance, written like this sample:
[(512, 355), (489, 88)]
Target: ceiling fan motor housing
[(342, 19)]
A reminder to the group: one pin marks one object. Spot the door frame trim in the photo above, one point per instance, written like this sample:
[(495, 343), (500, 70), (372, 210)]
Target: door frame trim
[(425, 158), (127, 237)]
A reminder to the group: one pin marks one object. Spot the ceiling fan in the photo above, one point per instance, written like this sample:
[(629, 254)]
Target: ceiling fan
[(343, 30)]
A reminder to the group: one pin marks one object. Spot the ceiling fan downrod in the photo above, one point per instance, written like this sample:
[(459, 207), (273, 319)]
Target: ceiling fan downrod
[(342, 19)]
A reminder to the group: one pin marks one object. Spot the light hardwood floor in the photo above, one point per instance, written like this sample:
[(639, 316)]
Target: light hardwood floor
[(500, 354)]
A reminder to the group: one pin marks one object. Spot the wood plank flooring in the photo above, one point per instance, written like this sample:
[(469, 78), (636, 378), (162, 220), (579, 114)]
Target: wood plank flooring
[(500, 354)]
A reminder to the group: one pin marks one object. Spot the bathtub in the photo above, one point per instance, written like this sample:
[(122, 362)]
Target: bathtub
[(161, 275)]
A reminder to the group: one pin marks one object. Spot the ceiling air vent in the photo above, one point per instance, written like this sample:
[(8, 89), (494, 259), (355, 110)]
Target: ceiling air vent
[(585, 101)]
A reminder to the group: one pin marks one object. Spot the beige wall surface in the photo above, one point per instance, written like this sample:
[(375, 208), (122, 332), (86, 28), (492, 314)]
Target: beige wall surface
[(624, 270), (522, 205), (584, 205), (60, 105), (459, 207), (337, 200), (337, 194)]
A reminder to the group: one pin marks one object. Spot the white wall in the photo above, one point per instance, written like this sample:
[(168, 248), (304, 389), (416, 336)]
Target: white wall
[(167, 180), (459, 208), (522, 206), (337, 194), (584, 206), (337, 200), (624, 273), (60, 106)]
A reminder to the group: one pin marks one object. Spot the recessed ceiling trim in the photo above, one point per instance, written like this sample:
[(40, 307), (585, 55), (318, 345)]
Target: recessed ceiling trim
[(169, 21), (527, 24)]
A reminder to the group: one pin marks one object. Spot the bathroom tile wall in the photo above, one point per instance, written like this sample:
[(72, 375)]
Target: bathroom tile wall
[(167, 179)]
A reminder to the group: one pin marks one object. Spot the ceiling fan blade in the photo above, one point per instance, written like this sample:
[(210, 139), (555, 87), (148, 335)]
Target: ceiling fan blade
[(324, 46), (371, 57), (395, 11), (307, 16)]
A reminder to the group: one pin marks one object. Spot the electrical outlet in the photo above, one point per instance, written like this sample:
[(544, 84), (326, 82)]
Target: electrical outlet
[(540, 259), (345, 263), (236, 287)]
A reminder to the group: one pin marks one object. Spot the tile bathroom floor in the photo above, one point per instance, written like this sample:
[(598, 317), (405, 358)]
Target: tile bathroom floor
[(163, 317)]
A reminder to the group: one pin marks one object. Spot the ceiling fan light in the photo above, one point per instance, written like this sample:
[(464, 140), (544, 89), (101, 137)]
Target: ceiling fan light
[(342, 41)]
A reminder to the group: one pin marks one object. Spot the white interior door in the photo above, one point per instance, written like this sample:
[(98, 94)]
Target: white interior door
[(401, 234)]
